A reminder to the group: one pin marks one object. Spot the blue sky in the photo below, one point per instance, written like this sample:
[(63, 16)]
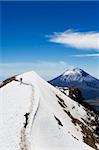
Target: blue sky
[(29, 42)]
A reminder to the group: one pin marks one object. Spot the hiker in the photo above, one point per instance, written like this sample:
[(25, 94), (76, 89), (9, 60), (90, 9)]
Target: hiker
[(26, 121), (20, 81)]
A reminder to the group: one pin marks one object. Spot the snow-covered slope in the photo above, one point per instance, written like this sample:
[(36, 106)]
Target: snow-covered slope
[(78, 78), (34, 115)]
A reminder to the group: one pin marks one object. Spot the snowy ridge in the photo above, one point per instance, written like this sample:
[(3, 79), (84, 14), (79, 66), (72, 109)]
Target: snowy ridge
[(35, 115)]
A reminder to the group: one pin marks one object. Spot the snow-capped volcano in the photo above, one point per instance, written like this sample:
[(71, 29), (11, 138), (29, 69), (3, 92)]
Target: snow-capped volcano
[(75, 71), (34, 115), (78, 78)]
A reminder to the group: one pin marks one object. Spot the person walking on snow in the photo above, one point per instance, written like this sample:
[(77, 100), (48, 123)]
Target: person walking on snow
[(20, 81)]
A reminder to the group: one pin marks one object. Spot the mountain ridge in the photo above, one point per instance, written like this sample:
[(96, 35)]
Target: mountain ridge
[(38, 116)]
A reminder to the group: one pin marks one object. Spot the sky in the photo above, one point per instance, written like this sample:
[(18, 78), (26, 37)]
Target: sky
[(49, 37)]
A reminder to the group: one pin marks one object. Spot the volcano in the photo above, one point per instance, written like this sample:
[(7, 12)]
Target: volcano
[(78, 78)]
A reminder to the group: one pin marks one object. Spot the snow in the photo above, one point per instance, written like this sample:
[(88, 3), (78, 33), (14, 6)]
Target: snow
[(64, 90), (72, 72), (38, 98)]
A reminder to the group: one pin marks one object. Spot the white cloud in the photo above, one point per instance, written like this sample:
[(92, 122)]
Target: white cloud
[(45, 69), (87, 55), (79, 40)]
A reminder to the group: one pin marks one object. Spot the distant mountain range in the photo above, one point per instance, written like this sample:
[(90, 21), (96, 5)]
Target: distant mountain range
[(78, 78)]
